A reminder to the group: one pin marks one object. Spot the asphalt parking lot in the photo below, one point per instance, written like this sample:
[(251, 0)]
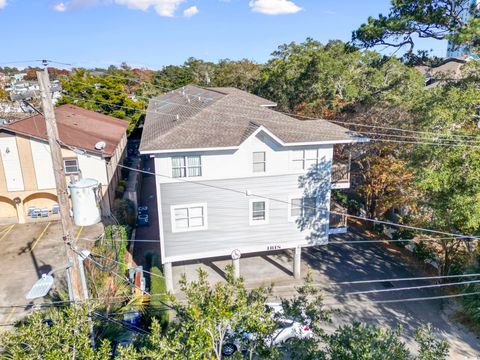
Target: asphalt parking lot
[(28, 251)]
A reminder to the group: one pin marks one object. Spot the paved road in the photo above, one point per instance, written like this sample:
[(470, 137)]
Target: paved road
[(339, 263)]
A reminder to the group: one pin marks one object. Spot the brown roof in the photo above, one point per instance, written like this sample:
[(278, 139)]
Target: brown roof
[(193, 117), (77, 127)]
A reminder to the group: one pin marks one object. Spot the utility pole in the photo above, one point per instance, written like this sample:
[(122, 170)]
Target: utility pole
[(74, 275)]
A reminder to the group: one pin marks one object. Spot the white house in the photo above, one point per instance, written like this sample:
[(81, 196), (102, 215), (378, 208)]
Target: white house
[(234, 176)]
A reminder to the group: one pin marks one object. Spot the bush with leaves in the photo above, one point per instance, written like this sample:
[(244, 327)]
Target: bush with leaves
[(60, 334)]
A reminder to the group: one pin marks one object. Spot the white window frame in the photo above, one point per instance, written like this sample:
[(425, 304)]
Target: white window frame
[(65, 166), (264, 162), (186, 167), (297, 196), (267, 212), (188, 206), (304, 158)]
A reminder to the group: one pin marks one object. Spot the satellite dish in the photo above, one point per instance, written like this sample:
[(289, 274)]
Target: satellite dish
[(41, 287), (100, 145)]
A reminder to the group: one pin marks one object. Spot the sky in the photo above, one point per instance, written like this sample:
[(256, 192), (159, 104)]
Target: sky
[(155, 33)]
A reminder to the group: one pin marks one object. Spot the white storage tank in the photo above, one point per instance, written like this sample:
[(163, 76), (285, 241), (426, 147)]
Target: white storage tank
[(85, 202)]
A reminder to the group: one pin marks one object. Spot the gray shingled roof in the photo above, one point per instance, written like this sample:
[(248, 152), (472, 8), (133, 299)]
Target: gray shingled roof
[(193, 117)]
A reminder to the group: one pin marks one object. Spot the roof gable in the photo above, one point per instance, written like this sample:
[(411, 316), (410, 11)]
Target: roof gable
[(198, 118)]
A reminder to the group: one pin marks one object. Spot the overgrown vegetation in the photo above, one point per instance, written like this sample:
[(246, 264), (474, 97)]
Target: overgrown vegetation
[(203, 323)]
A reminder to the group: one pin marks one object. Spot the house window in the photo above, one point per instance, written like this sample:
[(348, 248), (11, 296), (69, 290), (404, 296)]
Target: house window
[(70, 166), (302, 207), (186, 166), (259, 161), (304, 159), (258, 212), (189, 217)]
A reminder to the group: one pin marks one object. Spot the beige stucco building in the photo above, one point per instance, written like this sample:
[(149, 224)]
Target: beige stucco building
[(26, 172)]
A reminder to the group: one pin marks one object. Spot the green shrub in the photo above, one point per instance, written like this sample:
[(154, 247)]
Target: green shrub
[(158, 289), (119, 191), (124, 211), (423, 253)]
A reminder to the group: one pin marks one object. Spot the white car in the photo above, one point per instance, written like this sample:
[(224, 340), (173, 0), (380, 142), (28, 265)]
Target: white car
[(286, 330)]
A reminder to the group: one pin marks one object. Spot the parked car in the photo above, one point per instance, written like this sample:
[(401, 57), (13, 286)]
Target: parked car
[(142, 220), (286, 330)]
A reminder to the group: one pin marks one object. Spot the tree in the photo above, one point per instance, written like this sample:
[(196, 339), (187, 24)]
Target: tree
[(411, 19), (105, 94), (243, 74), (207, 315), (431, 348), (64, 334), (366, 342), (386, 181), (321, 80)]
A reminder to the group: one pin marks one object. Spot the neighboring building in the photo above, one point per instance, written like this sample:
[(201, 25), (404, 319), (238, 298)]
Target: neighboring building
[(233, 174), (463, 8), (26, 171), (450, 69)]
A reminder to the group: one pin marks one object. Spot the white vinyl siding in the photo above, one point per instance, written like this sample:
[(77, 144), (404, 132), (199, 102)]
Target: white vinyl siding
[(186, 166), (304, 159), (259, 161), (189, 217), (11, 164), (42, 162), (259, 213)]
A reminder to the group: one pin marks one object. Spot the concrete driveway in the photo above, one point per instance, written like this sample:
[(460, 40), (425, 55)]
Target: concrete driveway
[(28, 251)]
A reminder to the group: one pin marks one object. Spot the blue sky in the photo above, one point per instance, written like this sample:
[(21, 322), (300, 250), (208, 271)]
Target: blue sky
[(154, 33)]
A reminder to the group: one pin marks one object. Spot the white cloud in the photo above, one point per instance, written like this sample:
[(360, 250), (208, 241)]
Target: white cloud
[(162, 7), (192, 10), (60, 7), (274, 7), (3, 3)]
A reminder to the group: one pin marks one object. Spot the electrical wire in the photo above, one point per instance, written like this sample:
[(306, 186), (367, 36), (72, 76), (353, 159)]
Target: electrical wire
[(425, 298), (441, 142), (302, 116), (305, 207), (121, 263), (376, 291), (406, 279), (121, 323)]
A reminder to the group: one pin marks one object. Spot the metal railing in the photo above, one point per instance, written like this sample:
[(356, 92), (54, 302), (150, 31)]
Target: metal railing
[(340, 172), (337, 220)]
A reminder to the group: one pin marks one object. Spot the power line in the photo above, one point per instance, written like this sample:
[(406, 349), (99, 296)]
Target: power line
[(121, 323), (405, 279), (132, 284), (305, 207), (307, 117), (425, 298), (413, 287), (440, 142), (385, 127), (121, 263), (330, 242)]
